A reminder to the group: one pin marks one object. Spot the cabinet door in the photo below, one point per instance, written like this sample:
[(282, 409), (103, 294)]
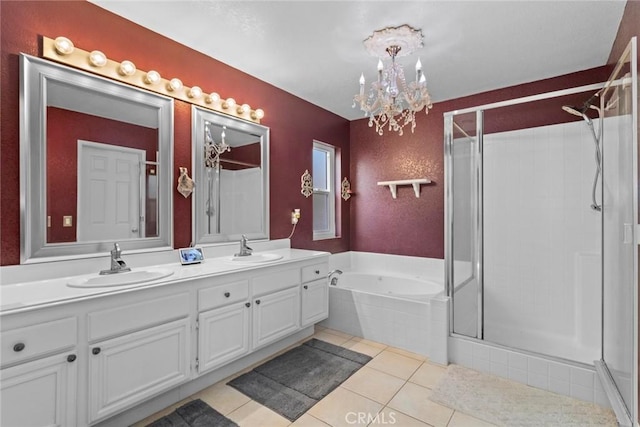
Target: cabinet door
[(315, 302), (275, 316), (39, 393), (223, 335), (126, 370)]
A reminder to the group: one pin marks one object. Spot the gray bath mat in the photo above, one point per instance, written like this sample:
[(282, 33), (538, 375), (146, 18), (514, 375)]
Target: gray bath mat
[(194, 414), (507, 403), (293, 382)]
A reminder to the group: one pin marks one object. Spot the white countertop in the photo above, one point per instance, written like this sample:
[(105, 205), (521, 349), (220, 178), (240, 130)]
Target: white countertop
[(25, 296)]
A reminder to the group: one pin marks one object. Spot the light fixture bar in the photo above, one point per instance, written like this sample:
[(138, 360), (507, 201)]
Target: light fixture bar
[(65, 52)]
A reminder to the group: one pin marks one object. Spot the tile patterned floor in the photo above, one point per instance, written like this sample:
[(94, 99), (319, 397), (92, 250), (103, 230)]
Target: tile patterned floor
[(391, 390)]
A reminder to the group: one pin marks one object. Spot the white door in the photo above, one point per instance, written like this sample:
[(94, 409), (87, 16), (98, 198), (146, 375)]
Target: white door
[(315, 301), (39, 393), (275, 316), (109, 192), (223, 335), (127, 370)]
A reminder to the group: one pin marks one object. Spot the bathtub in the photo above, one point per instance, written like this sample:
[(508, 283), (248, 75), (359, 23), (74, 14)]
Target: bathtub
[(385, 298)]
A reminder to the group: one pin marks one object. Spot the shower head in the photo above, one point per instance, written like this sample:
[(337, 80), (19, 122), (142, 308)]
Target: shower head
[(573, 110)]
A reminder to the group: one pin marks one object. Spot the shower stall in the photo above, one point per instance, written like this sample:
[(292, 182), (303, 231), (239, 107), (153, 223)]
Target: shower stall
[(541, 245)]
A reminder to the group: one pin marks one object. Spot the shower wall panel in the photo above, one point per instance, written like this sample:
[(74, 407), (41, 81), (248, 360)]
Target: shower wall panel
[(542, 242)]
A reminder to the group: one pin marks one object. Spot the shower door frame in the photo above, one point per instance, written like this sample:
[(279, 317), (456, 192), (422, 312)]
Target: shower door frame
[(478, 244)]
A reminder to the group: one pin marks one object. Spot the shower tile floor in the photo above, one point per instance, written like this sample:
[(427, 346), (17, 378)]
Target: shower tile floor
[(395, 384)]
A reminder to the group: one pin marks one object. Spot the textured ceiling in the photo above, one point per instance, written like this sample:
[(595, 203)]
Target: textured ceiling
[(314, 50)]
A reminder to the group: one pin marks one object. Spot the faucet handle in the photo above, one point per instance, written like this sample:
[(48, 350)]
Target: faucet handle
[(116, 251)]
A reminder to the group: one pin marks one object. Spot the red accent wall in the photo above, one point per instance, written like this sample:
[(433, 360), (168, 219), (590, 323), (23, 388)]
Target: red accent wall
[(415, 226), (64, 129), (294, 123)]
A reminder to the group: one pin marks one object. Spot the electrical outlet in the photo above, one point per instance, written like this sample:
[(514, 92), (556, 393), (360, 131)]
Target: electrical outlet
[(295, 216)]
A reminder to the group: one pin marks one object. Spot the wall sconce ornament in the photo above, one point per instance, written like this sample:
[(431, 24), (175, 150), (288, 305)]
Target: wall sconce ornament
[(346, 189), (307, 186), (185, 184), (62, 50)]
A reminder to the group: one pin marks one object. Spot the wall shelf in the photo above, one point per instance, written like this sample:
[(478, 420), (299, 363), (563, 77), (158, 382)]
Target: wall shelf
[(415, 183)]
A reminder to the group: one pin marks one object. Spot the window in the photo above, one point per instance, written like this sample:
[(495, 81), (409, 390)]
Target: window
[(324, 197)]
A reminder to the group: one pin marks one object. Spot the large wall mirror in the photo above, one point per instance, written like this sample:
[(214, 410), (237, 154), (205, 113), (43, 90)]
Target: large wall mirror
[(231, 171), (96, 160)]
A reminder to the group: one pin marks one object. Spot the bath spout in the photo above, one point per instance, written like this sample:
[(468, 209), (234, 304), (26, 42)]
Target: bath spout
[(334, 280)]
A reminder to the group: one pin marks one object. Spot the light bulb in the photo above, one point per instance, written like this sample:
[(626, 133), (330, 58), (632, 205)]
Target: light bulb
[(418, 65), (97, 58), (258, 114), (174, 84), (152, 77), (423, 79), (229, 103), (362, 81), (63, 45), (195, 92), (212, 98), (243, 109), (380, 65), (127, 68)]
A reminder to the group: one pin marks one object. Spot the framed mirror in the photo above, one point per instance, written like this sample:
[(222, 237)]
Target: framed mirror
[(96, 159), (231, 172)]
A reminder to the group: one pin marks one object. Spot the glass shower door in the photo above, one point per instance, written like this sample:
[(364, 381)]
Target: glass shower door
[(464, 223), (619, 103)]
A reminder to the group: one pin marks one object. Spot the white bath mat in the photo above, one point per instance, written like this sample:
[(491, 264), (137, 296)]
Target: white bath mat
[(507, 403)]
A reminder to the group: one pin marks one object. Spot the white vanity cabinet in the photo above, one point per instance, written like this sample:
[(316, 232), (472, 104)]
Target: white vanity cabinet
[(130, 360), (223, 324), (315, 294), (276, 306), (38, 378)]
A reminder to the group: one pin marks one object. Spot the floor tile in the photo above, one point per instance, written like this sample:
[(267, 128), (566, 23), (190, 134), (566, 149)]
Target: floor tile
[(363, 348), (413, 400), (342, 407), (222, 398), (373, 384), (253, 414), (330, 338), (307, 420), (369, 342), (391, 417), (338, 333), (428, 375), (394, 364), (166, 411), (460, 419), (407, 353)]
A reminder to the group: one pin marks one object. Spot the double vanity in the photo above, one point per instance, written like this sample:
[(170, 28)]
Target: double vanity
[(82, 353)]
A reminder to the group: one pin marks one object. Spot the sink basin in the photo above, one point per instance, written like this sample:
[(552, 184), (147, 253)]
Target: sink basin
[(254, 258), (120, 279)]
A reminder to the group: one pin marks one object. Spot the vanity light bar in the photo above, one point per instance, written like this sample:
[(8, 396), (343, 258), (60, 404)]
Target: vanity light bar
[(62, 50)]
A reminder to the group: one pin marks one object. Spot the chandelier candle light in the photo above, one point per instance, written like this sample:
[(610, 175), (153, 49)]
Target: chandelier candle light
[(391, 101)]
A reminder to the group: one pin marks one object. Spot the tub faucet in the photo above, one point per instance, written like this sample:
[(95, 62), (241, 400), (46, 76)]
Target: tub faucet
[(244, 249), (334, 280), (117, 263)]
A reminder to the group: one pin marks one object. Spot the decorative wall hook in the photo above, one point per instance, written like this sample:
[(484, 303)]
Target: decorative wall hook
[(185, 184), (346, 189), (307, 186)]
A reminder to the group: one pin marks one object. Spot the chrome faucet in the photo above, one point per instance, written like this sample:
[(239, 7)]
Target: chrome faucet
[(334, 280), (117, 263), (244, 249)]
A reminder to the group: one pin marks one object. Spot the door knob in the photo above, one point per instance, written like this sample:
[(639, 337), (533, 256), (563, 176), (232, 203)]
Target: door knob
[(134, 230)]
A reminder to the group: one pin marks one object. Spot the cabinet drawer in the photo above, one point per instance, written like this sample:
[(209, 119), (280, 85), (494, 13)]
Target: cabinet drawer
[(218, 296), (31, 341), (133, 317), (275, 281), (315, 272)]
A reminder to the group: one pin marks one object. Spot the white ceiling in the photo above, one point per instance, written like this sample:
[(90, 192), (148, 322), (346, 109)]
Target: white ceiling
[(314, 50)]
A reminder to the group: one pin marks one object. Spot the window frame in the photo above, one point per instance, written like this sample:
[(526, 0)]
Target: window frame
[(330, 233)]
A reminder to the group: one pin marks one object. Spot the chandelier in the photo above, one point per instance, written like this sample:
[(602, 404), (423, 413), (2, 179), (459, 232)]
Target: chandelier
[(213, 149), (391, 101)]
